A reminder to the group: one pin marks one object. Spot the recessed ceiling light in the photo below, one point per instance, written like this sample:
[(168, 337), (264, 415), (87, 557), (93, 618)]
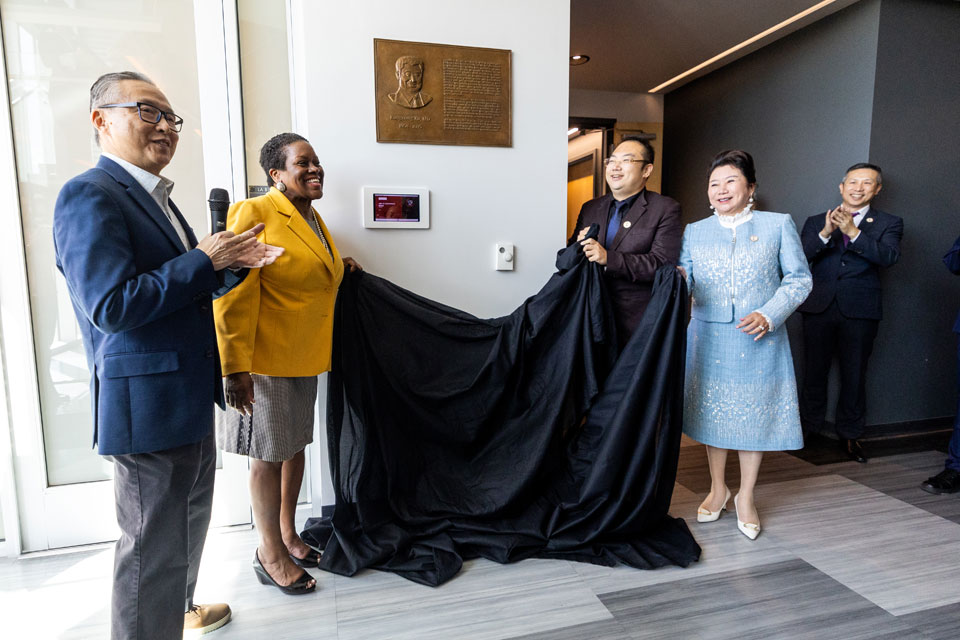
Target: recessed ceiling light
[(577, 59)]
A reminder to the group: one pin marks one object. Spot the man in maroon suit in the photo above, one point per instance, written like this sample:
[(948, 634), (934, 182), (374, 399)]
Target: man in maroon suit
[(640, 230)]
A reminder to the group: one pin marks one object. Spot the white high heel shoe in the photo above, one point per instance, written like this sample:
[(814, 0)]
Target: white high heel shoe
[(705, 515), (748, 529)]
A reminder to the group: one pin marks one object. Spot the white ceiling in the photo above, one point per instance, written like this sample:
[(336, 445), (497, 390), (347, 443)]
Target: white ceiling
[(635, 45)]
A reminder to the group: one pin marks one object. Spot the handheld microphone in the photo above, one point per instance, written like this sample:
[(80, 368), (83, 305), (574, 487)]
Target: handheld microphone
[(219, 203)]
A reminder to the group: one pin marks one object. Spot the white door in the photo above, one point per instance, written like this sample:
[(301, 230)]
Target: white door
[(52, 55)]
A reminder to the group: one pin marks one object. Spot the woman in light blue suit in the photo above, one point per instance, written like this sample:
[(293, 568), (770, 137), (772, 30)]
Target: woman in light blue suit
[(747, 273)]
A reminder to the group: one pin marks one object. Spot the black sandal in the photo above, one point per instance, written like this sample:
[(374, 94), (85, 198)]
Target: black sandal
[(312, 560), (298, 588)]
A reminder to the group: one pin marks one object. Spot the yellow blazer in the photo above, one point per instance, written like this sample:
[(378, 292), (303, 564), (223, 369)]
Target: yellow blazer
[(279, 320)]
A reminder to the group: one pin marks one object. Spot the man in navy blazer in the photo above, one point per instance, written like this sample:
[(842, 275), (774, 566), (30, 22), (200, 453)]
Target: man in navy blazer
[(846, 249), (141, 287), (948, 480), (640, 231)]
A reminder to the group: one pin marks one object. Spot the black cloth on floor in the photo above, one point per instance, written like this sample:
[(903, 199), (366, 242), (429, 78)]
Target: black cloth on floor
[(453, 437)]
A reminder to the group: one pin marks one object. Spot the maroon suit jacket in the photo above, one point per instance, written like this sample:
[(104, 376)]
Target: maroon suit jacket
[(651, 240)]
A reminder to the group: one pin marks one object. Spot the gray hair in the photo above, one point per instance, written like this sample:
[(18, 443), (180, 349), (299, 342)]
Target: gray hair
[(105, 90)]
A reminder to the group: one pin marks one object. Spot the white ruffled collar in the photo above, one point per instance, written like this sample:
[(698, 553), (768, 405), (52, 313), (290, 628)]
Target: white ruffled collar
[(734, 221)]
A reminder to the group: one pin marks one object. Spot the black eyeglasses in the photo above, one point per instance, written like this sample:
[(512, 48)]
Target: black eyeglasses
[(150, 114)]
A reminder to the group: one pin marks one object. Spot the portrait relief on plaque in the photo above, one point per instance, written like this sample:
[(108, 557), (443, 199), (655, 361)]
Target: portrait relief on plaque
[(442, 94), (409, 91)]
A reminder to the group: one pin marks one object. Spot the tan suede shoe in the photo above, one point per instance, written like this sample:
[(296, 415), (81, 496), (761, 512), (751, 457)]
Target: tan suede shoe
[(204, 618)]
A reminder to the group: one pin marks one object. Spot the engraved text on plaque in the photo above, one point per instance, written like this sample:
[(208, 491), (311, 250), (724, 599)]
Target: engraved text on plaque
[(442, 94)]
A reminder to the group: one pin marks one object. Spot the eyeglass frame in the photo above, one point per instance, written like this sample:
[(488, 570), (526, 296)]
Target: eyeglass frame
[(176, 125), (622, 161)]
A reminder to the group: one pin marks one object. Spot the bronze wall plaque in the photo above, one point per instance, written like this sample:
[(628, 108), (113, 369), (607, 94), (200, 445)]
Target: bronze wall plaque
[(442, 94)]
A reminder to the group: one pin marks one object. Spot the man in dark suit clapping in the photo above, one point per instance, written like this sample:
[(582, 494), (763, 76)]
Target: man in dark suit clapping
[(846, 248), (141, 287), (640, 231)]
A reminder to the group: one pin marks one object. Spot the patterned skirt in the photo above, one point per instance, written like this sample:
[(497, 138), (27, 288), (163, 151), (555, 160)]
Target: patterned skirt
[(281, 424), (740, 394)]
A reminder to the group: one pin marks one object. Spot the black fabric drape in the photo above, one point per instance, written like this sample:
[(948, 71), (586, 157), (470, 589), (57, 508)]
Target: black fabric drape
[(454, 437)]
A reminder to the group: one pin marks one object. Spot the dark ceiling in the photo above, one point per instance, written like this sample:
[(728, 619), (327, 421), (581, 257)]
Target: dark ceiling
[(635, 45)]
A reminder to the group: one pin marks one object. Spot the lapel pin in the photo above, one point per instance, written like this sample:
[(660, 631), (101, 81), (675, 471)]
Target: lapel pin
[(869, 219), (626, 224), (754, 238)]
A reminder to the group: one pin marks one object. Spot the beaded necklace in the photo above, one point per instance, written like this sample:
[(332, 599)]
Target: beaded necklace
[(323, 238)]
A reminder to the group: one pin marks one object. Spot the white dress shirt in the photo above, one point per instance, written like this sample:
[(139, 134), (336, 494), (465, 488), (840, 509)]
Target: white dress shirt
[(159, 189)]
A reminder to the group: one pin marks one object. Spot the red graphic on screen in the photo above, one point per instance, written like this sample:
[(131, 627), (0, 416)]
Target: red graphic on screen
[(396, 208)]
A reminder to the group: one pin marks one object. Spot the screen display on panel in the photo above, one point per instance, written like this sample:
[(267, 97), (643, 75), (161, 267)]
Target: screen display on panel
[(396, 207), (402, 207)]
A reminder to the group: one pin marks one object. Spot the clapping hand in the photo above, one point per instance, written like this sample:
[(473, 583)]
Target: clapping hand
[(829, 226), (227, 249), (843, 220)]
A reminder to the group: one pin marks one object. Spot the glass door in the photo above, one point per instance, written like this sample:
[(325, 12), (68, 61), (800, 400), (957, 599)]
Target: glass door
[(53, 51)]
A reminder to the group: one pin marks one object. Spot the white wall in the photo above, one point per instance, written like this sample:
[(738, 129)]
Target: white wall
[(621, 105), (478, 195)]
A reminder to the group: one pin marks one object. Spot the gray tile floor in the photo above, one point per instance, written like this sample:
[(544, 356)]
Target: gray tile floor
[(847, 551)]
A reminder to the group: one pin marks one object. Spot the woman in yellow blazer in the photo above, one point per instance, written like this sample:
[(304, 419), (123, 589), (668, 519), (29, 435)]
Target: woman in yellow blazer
[(275, 333)]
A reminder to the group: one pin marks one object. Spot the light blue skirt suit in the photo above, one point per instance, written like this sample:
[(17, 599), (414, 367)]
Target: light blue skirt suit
[(740, 393)]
